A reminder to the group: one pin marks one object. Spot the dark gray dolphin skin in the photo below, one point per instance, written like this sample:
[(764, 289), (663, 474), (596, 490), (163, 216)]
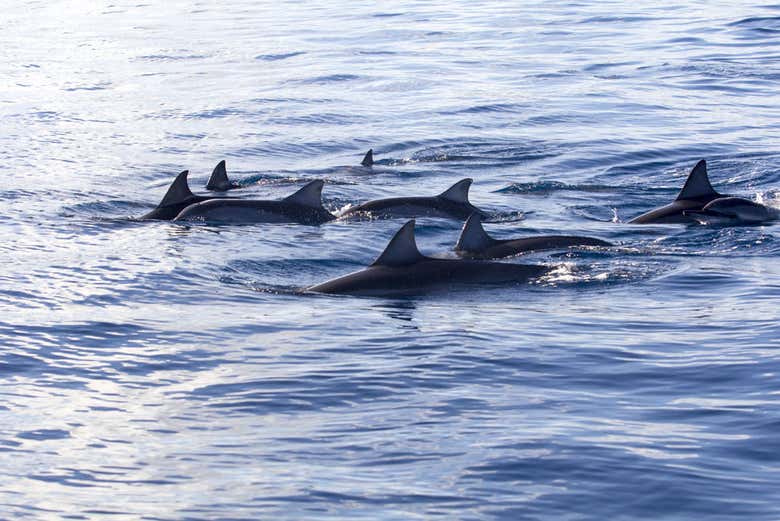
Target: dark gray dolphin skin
[(177, 198), (402, 270), (734, 210), (475, 243), (368, 159), (304, 207), (218, 181), (695, 194), (453, 203)]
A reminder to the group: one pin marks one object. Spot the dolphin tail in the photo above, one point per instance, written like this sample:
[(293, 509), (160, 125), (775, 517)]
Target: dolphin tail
[(178, 192), (310, 195), (219, 181), (697, 185), (474, 238), (368, 159), (401, 250)]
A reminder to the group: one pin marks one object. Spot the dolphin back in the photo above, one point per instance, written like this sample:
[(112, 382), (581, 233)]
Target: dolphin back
[(304, 207), (459, 192), (737, 210), (453, 203), (218, 181), (368, 159), (698, 185), (401, 250), (402, 270), (310, 195), (429, 275), (696, 192), (176, 199), (473, 238)]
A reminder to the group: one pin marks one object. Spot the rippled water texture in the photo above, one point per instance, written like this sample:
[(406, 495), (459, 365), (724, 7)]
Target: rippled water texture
[(159, 371)]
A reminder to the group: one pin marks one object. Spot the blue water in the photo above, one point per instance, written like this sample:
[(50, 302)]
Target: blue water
[(150, 370)]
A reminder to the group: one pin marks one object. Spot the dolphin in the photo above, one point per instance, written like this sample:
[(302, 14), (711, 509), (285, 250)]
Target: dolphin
[(304, 207), (695, 194), (368, 159), (475, 243), (402, 270), (177, 198), (734, 210), (218, 181), (453, 203)]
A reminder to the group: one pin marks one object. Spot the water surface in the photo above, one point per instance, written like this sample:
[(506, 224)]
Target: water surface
[(159, 371)]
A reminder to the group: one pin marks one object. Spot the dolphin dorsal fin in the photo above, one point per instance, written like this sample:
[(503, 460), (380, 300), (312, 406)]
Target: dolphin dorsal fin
[(474, 237), (309, 195), (459, 192), (368, 159), (219, 179), (401, 250), (698, 184), (178, 192)]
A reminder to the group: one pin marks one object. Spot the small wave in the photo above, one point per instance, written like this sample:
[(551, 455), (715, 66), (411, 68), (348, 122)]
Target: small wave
[(688, 40), (548, 187), (105, 209), (600, 274), (171, 57), (598, 213), (758, 22), (554, 75), (7, 195), (769, 198), (317, 119), (552, 119), (277, 57), (98, 86), (494, 107), (707, 85), (617, 19), (602, 66), (286, 178), (46, 115), (707, 73), (216, 113), (496, 153), (285, 101), (44, 434), (326, 80), (512, 216), (376, 53)]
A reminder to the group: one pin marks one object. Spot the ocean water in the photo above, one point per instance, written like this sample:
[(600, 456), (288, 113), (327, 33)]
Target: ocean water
[(152, 370)]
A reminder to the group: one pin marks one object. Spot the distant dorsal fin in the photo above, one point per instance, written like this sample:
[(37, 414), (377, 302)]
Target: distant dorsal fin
[(459, 192), (401, 250), (309, 195), (474, 238), (368, 159), (698, 184), (219, 179), (178, 192)]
